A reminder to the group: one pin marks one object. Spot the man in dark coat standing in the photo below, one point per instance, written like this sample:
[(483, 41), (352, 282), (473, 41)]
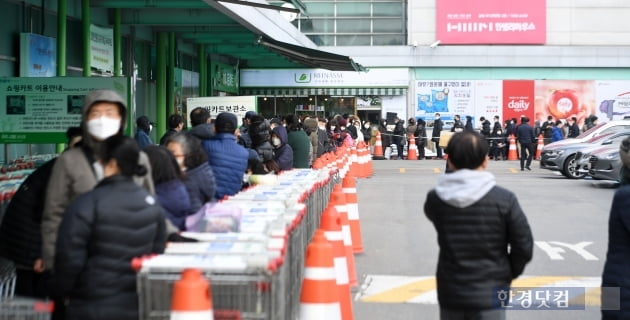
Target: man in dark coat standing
[(574, 129), (175, 124), (525, 136), (484, 237), (435, 135), (615, 279), (399, 137)]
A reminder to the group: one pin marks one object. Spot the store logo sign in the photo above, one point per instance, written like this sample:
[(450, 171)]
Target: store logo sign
[(302, 78)]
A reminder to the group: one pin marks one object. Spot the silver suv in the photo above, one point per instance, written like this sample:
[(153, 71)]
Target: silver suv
[(560, 155)]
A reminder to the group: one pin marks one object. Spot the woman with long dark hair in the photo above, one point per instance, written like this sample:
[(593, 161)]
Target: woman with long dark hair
[(170, 190), (198, 176)]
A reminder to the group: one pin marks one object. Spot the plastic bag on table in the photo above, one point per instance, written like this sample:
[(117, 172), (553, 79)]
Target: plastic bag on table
[(215, 217)]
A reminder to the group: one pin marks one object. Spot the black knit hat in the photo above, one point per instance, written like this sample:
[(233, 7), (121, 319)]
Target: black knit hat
[(225, 122)]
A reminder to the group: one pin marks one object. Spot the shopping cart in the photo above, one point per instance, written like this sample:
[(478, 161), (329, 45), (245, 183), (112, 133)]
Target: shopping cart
[(253, 285), (25, 309), (17, 308), (7, 279)]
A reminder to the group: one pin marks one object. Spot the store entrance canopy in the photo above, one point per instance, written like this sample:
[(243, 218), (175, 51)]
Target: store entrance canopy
[(311, 57), (250, 33)]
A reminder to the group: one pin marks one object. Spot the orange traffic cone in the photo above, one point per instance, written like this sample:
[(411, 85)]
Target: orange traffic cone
[(331, 224), (192, 297), (350, 189), (355, 164), (378, 148), (412, 149), (512, 155), (338, 199), (540, 146), (320, 296), (368, 160)]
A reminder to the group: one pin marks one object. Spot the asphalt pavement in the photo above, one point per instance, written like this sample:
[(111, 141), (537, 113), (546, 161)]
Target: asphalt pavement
[(396, 270)]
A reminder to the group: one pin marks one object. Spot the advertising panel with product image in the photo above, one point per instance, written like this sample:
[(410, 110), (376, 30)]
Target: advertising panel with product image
[(612, 100), (564, 99), (40, 110), (447, 97)]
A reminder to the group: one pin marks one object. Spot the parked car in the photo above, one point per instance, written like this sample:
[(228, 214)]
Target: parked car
[(602, 128), (562, 157), (601, 162)]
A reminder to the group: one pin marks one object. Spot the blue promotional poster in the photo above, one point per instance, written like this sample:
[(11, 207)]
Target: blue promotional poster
[(40, 55), (446, 97)]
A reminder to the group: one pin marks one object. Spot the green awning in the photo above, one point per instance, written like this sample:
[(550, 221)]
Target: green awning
[(311, 57), (324, 91)]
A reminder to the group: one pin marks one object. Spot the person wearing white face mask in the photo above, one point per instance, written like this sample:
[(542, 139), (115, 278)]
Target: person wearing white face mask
[(77, 170), (144, 129), (323, 142), (283, 152)]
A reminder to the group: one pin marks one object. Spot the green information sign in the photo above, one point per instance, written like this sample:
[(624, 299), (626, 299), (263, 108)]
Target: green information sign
[(224, 77), (40, 110)]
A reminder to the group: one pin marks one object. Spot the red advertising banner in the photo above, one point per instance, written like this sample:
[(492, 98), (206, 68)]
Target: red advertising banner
[(518, 99), (564, 99), (491, 22)]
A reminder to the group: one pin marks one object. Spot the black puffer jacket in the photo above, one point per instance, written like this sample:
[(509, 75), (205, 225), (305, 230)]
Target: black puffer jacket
[(616, 267), (20, 232), (101, 231), (473, 239)]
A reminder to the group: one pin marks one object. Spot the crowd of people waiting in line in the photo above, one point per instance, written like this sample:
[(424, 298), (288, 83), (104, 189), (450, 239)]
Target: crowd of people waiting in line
[(76, 222), (496, 133)]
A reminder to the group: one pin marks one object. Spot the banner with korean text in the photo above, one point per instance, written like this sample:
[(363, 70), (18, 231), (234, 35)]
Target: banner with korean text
[(102, 48), (491, 22), (446, 97), (612, 100), (238, 105), (40, 110)]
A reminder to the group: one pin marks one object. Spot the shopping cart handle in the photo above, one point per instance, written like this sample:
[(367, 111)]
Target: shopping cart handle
[(44, 306), (137, 262)]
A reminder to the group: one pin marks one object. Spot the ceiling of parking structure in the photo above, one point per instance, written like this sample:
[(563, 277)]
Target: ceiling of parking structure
[(240, 31)]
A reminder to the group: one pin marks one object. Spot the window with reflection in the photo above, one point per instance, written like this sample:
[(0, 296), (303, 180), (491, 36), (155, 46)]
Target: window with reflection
[(354, 22)]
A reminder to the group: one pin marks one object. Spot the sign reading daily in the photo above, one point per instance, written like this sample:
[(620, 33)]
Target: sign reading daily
[(40, 110), (321, 78)]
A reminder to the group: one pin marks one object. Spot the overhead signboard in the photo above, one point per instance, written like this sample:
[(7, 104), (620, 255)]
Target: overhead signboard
[(238, 105), (40, 110), (491, 22), (321, 78)]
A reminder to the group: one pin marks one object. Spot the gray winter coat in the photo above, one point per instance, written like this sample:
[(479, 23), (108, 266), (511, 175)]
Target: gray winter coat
[(73, 175)]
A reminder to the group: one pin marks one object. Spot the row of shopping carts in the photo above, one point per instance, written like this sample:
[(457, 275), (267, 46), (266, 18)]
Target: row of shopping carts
[(257, 271), (17, 308)]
